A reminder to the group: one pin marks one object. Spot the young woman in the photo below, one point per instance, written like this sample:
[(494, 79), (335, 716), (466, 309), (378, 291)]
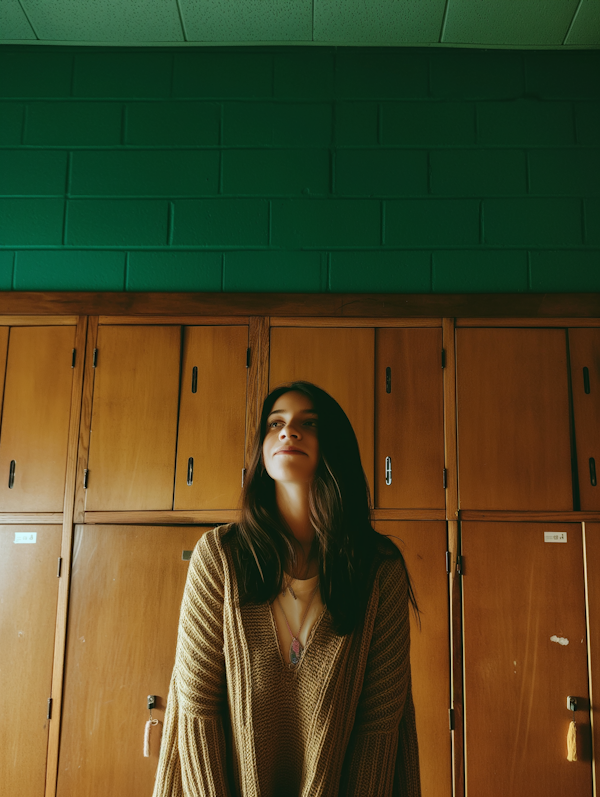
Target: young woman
[(292, 672)]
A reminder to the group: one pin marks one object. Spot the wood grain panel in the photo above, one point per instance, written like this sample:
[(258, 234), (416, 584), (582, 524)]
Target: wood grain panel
[(126, 590), (134, 418), (342, 362), (584, 350), (28, 594), (513, 419), (349, 305), (212, 419), (35, 420), (409, 418), (423, 546), (592, 573), (258, 378), (523, 599)]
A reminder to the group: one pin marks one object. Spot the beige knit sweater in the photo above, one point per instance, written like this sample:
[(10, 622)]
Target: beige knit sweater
[(239, 723)]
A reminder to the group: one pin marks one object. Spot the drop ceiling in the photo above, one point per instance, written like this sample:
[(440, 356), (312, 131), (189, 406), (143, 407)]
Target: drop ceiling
[(556, 24)]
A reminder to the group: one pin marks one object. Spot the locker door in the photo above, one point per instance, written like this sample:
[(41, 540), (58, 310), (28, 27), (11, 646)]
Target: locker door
[(409, 419), (126, 589), (524, 652), (212, 410), (35, 419), (131, 463), (28, 595), (592, 561), (584, 349), (341, 361), (513, 419), (423, 545)]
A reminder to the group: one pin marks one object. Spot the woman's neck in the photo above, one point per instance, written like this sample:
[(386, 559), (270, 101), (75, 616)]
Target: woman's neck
[(292, 503)]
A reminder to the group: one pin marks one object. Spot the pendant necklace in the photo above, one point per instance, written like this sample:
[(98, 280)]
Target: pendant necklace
[(297, 648)]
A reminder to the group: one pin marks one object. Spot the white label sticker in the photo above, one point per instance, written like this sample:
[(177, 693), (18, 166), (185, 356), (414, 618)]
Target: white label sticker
[(26, 536), (555, 536)]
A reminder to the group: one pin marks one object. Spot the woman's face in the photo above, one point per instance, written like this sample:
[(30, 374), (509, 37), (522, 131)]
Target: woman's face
[(292, 424)]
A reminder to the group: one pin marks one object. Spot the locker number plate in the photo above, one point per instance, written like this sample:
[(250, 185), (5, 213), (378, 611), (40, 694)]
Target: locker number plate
[(26, 536), (555, 536)]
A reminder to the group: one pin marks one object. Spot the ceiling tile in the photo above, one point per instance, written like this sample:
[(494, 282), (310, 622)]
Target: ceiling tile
[(378, 21), (13, 22), (510, 22), (586, 25), (105, 20), (247, 20)]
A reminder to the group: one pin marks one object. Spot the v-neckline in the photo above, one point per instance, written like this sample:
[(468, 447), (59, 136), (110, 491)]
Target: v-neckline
[(284, 664)]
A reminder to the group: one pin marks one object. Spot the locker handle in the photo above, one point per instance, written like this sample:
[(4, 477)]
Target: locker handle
[(388, 380), (388, 470), (195, 379), (11, 474), (593, 471), (190, 471), (586, 380)]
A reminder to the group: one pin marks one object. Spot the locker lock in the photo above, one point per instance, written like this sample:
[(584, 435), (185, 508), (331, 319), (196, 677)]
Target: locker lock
[(572, 703)]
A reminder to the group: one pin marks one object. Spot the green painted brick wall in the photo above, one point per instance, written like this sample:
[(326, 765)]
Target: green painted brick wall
[(299, 169)]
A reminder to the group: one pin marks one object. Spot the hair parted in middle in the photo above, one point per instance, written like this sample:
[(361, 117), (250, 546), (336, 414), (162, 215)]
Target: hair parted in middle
[(346, 545)]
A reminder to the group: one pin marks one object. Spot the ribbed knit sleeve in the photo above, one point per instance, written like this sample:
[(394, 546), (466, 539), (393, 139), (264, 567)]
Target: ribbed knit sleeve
[(382, 757), (192, 755)]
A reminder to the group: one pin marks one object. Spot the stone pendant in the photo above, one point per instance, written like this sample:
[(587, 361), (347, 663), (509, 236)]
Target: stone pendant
[(296, 651)]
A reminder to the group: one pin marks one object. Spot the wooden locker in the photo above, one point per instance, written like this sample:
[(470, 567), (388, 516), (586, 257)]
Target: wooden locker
[(339, 360), (592, 564), (423, 545), (409, 419), (35, 418), (126, 589), (212, 410), (514, 447), (28, 595), (131, 462), (525, 652), (584, 350)]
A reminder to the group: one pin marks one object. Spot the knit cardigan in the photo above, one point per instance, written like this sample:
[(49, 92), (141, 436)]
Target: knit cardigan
[(240, 723)]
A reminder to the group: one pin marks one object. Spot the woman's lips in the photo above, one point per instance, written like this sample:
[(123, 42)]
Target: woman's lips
[(290, 451)]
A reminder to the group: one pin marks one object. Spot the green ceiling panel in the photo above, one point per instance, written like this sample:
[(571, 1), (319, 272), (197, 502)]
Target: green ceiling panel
[(378, 21), (586, 25), (13, 22), (247, 20), (512, 22), (105, 21)]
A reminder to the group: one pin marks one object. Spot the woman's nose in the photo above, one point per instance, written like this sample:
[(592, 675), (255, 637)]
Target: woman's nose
[(288, 431)]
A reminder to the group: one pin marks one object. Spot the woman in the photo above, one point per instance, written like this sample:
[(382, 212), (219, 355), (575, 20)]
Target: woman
[(292, 671)]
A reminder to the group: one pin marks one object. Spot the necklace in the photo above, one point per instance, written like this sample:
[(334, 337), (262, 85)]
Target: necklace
[(297, 648)]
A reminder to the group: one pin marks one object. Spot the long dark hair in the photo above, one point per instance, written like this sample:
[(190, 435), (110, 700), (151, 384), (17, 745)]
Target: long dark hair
[(346, 545)]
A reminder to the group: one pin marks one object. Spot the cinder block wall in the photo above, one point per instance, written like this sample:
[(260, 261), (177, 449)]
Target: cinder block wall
[(299, 169)]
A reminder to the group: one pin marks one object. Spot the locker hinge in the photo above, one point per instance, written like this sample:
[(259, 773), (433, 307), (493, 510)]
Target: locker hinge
[(247, 358), (451, 718), (86, 474), (443, 358), (459, 565), (95, 358), (243, 476), (49, 712), (59, 568), (445, 478), (448, 560), (73, 358)]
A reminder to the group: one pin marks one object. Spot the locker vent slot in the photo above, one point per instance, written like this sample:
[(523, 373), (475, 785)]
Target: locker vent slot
[(190, 471), (195, 379), (586, 380), (593, 471), (11, 474), (73, 358), (388, 380)]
